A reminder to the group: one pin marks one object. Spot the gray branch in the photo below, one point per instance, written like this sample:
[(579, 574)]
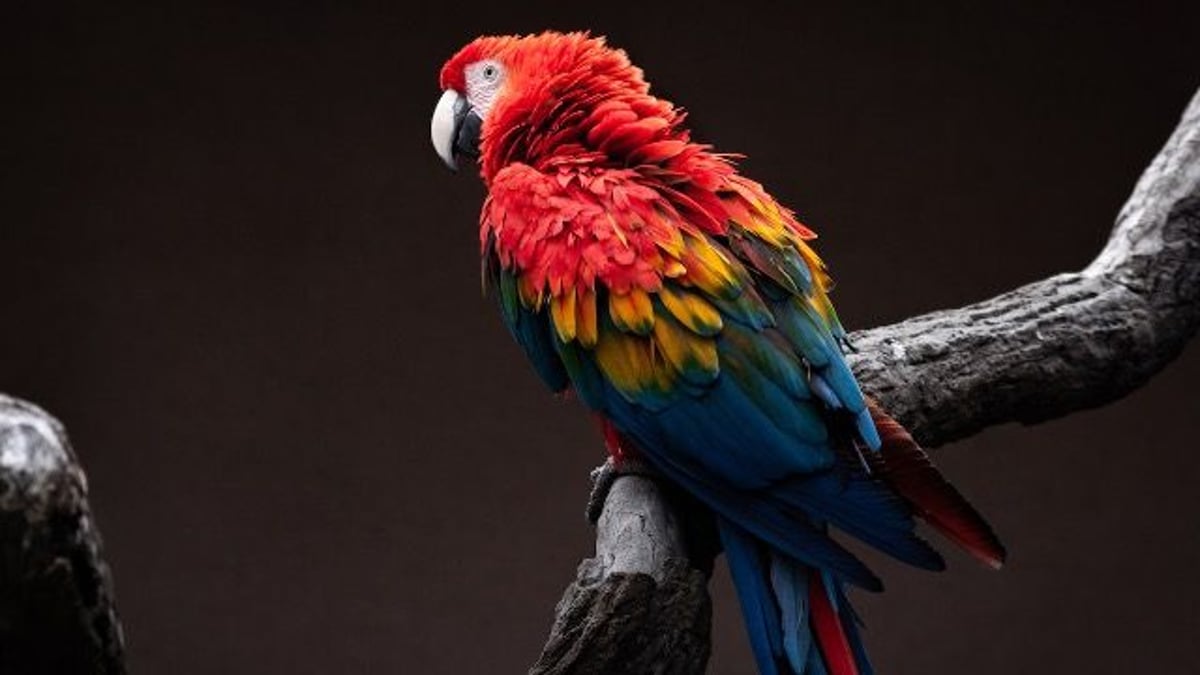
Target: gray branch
[(1067, 343), (640, 579), (56, 601)]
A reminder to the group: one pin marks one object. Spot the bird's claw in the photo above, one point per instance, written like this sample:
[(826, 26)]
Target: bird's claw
[(846, 345), (603, 478)]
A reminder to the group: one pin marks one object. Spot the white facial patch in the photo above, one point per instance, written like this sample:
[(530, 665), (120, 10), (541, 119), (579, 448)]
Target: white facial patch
[(484, 79)]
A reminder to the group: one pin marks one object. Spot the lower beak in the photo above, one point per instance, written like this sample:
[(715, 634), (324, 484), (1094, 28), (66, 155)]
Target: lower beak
[(455, 128)]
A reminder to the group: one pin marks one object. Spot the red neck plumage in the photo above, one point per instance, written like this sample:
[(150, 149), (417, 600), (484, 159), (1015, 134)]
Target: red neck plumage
[(592, 118)]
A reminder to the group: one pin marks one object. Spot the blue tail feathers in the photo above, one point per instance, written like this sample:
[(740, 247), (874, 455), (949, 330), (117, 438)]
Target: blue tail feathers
[(774, 590)]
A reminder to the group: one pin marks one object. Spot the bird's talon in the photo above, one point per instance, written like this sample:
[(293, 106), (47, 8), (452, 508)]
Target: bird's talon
[(605, 475)]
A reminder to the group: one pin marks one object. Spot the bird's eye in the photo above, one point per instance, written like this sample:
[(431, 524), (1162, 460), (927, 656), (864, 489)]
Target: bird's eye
[(491, 73)]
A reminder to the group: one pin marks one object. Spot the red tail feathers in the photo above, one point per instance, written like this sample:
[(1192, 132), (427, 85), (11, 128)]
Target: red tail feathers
[(905, 467), (827, 626)]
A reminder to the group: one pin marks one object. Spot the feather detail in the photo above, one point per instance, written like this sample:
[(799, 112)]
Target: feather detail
[(708, 269), (632, 135), (746, 566), (835, 647), (562, 312), (691, 310), (609, 121), (806, 333), (785, 266), (586, 322), (531, 296), (634, 368), (656, 152), (691, 355), (771, 362), (789, 581), (632, 312), (903, 465)]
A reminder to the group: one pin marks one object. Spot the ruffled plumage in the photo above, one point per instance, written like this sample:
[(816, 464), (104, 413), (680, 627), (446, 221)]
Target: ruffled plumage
[(687, 307)]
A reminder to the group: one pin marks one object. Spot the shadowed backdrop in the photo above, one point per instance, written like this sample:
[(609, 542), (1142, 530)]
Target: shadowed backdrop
[(235, 269)]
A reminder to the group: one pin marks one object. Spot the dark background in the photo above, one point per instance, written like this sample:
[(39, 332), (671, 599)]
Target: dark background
[(235, 269)]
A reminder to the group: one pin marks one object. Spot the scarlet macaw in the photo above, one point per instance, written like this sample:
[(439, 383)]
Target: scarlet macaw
[(689, 311)]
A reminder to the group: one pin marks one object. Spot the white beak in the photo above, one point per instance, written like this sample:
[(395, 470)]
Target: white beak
[(447, 117)]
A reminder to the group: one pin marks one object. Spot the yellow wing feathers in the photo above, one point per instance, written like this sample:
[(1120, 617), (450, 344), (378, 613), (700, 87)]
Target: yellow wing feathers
[(691, 310), (648, 279), (632, 312), (643, 342)]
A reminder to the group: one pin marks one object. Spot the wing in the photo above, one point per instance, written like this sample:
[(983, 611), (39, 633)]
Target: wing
[(694, 315), (529, 329)]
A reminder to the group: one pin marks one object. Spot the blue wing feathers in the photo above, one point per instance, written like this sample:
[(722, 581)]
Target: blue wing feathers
[(744, 438), (746, 445), (863, 508), (804, 331), (866, 429), (787, 531), (762, 358), (807, 333), (532, 332)]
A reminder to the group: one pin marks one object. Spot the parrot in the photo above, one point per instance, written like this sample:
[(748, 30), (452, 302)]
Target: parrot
[(688, 310)]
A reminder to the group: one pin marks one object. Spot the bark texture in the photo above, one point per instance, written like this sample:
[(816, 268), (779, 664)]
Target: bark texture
[(1070, 342), (1044, 350), (56, 600), (638, 579)]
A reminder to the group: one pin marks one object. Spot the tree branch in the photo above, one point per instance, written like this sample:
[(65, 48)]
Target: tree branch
[(1067, 343), (57, 613), (640, 578)]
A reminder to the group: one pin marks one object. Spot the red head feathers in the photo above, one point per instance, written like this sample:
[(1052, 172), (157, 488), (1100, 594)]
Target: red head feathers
[(555, 96)]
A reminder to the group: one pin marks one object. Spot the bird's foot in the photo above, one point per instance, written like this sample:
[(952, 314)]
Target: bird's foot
[(606, 474)]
